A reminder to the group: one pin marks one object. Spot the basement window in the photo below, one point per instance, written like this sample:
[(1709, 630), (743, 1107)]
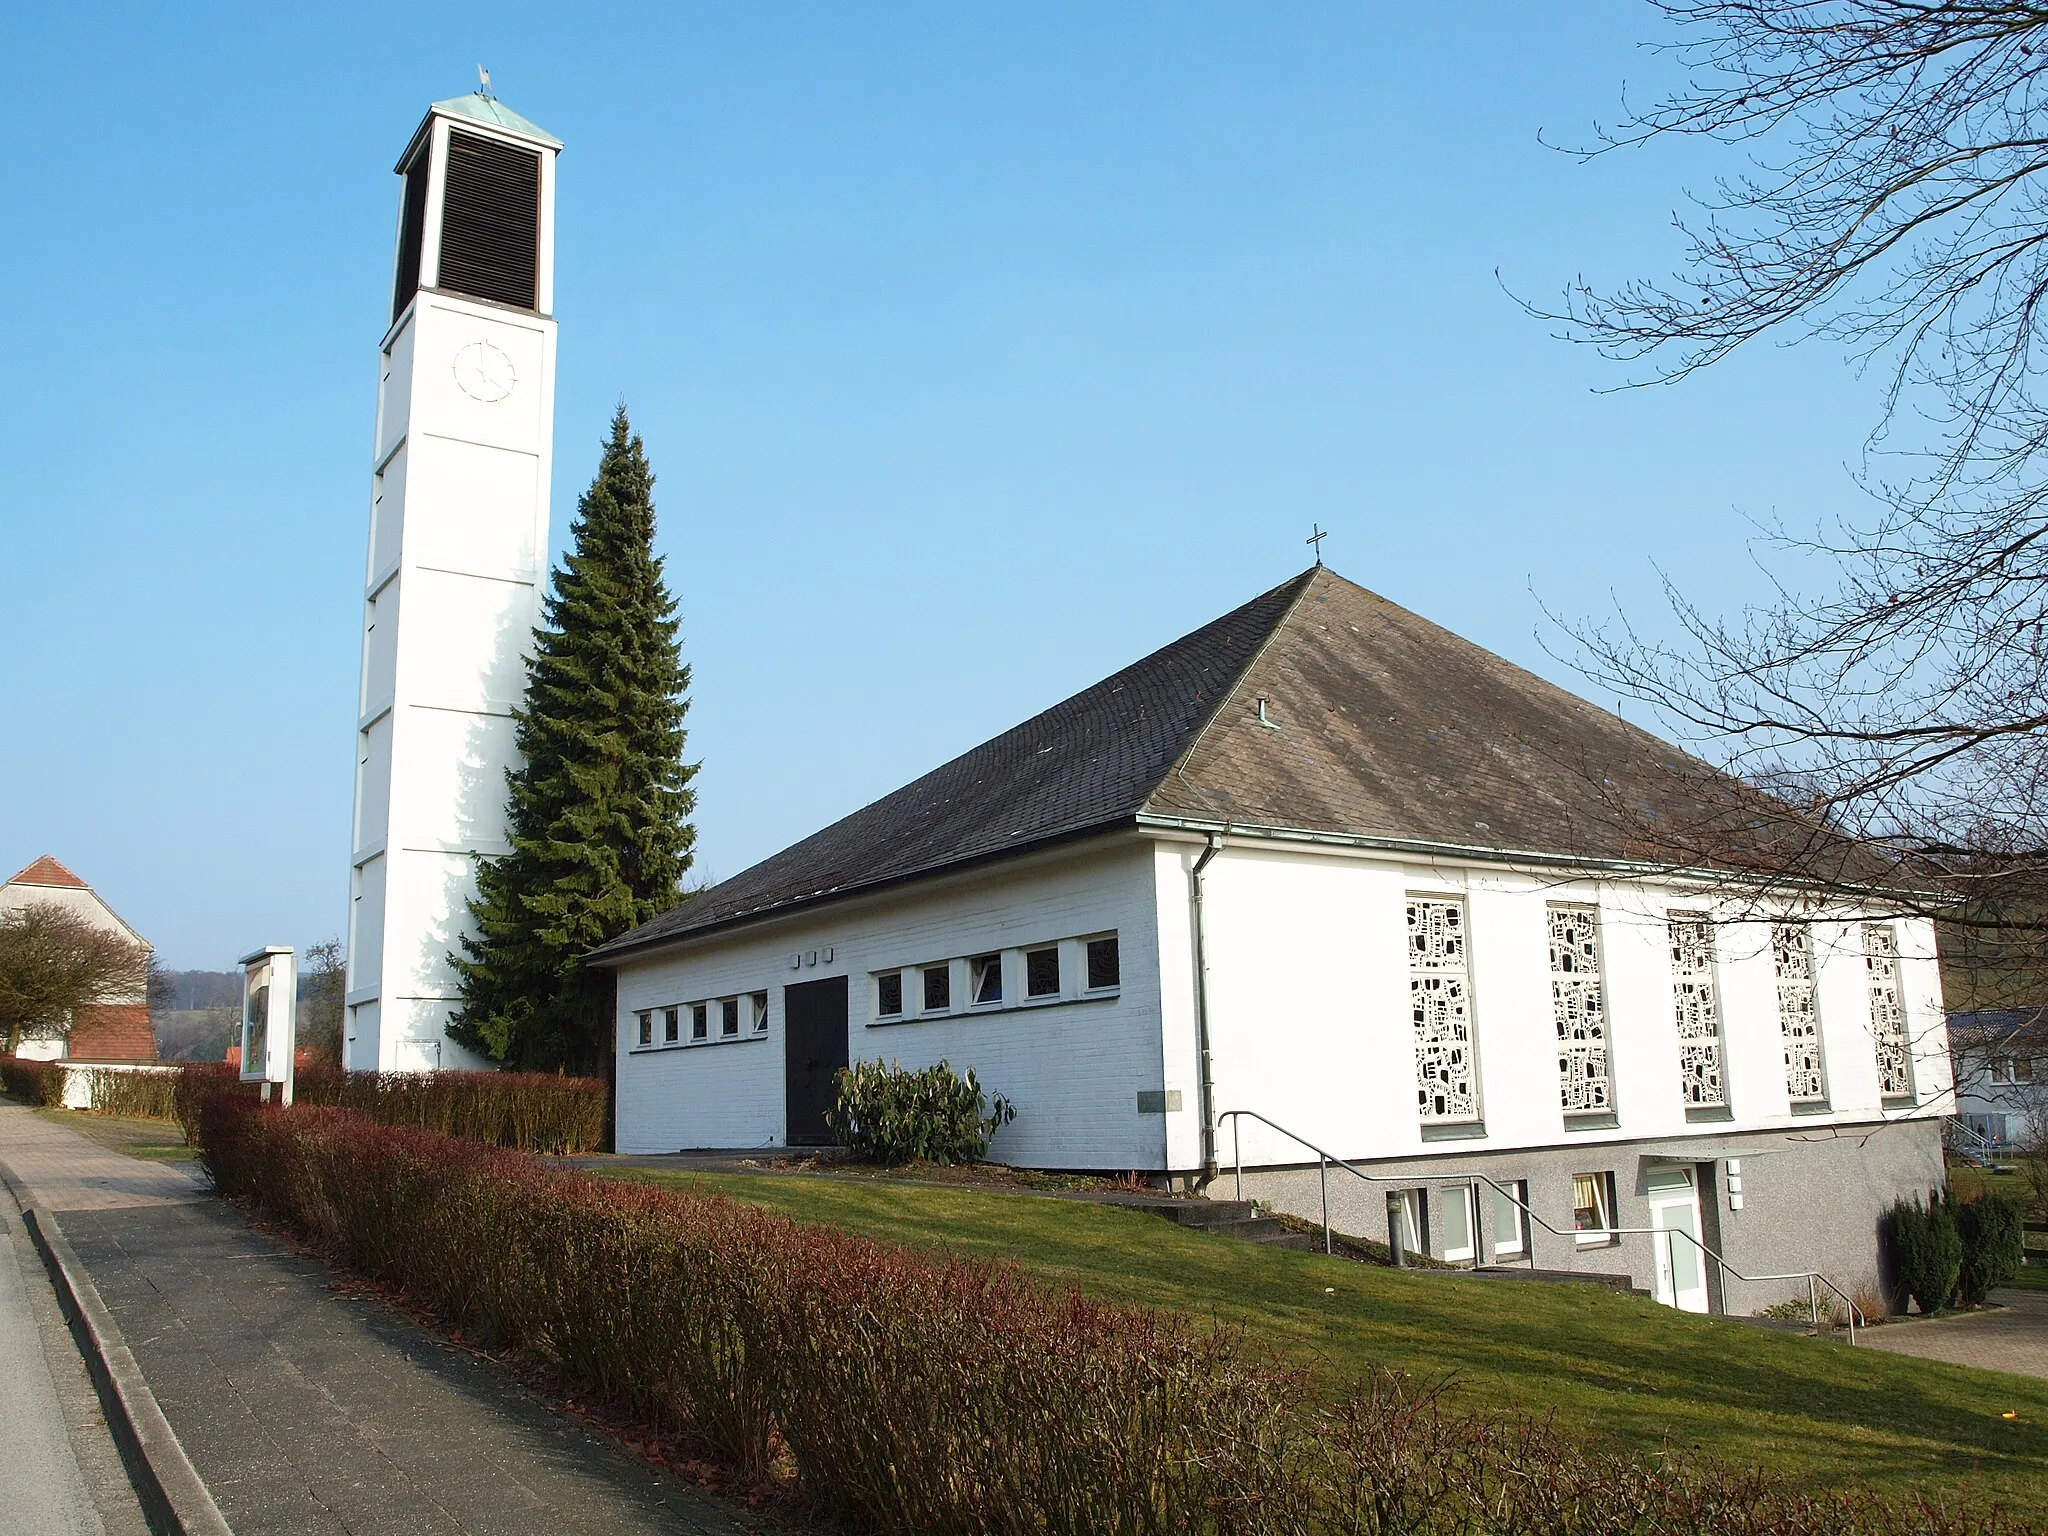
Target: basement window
[(889, 995), (986, 979), (1593, 1208), (760, 1002), (728, 1018), (1104, 968), (938, 988), (1042, 972), (1459, 1240), (700, 1021), (672, 1026), (1509, 1234)]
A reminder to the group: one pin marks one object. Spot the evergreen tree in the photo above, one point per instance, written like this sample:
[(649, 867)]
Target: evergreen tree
[(601, 801)]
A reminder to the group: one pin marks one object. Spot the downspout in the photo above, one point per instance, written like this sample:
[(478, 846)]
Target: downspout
[(1206, 1087)]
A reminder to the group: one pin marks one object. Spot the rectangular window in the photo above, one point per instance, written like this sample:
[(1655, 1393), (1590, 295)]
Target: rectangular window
[(1887, 1012), (938, 988), (760, 1002), (1104, 968), (671, 1025), (700, 1021), (1798, 1015), (1459, 1242), (1593, 1208), (646, 1028), (1699, 1010), (1042, 972), (889, 994), (1580, 1008), (728, 1017), (2001, 1069), (1509, 1233), (985, 983), (1440, 1001), (2023, 1069)]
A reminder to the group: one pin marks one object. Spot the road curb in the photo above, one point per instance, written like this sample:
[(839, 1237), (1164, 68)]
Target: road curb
[(174, 1498)]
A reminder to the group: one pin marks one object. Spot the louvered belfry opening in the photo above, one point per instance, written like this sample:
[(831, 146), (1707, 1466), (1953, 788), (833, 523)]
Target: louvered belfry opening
[(412, 230), (490, 220)]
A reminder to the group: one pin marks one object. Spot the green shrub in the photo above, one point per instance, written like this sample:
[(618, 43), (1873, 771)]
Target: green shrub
[(913, 1392), (1993, 1244), (1926, 1252), (931, 1115)]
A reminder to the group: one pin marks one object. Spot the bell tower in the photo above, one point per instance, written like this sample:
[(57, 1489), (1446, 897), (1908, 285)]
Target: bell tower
[(457, 558)]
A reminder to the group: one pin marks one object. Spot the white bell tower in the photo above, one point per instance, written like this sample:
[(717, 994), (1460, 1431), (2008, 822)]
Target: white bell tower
[(458, 556)]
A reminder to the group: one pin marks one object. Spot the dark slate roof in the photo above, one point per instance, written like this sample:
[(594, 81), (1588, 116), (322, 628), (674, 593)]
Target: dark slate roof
[(1378, 724), (1083, 765), (1994, 1028)]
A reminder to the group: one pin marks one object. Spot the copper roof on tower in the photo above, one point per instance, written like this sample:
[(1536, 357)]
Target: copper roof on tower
[(1317, 708)]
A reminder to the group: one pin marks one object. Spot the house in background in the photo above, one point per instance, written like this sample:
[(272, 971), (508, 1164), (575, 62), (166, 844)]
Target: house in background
[(1323, 878), (1997, 1055), (116, 1030)]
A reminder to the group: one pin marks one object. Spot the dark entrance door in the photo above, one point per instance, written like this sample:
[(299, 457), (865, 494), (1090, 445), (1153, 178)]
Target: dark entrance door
[(814, 1048)]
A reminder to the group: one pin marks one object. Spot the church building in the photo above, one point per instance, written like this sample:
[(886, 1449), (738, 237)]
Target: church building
[(1322, 881)]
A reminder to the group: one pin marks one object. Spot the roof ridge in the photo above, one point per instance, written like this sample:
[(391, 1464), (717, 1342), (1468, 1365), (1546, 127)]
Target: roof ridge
[(1180, 768)]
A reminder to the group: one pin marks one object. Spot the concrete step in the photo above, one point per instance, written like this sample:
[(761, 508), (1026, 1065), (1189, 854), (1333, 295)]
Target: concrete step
[(1264, 1230)]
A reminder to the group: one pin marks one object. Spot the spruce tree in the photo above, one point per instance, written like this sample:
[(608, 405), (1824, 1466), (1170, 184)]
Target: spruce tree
[(600, 804)]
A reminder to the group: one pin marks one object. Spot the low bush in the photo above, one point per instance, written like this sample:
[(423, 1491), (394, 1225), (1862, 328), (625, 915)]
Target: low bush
[(1993, 1244), (530, 1111), (138, 1095), (35, 1082), (931, 1114), (909, 1392), (1926, 1252)]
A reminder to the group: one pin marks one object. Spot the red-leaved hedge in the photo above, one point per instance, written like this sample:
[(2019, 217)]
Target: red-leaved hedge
[(907, 1392), (530, 1111), (38, 1082)]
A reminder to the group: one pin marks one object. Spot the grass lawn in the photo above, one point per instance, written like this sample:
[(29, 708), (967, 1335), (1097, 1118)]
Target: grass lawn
[(1618, 1369), (158, 1141)]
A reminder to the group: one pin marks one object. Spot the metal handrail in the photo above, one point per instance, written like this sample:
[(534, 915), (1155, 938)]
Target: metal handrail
[(1958, 1129), (1325, 1159)]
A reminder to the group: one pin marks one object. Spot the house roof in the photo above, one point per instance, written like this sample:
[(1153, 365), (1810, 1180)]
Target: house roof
[(1317, 707), (1996, 1028), (47, 871)]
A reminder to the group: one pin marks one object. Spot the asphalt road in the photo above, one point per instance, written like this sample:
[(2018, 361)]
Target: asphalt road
[(55, 1452)]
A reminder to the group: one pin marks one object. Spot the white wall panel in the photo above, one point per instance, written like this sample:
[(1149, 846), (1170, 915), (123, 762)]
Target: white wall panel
[(483, 500)]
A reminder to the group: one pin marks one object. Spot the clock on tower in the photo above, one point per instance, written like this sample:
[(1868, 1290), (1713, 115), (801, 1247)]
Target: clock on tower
[(458, 554)]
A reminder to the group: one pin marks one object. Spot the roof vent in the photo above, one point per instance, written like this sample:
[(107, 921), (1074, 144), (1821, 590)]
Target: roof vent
[(1265, 719)]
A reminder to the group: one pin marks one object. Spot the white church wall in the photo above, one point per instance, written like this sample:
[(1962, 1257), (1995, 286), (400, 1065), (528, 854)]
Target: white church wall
[(1310, 1022), (1074, 1067)]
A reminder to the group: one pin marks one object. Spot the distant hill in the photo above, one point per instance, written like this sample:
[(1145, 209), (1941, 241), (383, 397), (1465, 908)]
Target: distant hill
[(183, 991)]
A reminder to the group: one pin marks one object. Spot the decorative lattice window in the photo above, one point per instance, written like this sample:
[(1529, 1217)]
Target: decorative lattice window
[(1581, 1010), (1798, 1014), (1887, 1012), (1699, 1012), (1440, 993)]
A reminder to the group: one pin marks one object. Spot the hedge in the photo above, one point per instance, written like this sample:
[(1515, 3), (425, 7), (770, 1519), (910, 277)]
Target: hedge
[(531, 1111), (903, 1391), (39, 1082)]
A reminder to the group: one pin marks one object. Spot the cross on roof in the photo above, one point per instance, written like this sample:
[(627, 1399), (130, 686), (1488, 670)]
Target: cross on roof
[(1316, 538)]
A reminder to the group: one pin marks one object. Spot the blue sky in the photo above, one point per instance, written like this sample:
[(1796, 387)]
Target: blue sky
[(978, 349)]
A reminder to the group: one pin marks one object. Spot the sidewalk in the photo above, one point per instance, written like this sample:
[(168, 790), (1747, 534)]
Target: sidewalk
[(2014, 1339), (307, 1411)]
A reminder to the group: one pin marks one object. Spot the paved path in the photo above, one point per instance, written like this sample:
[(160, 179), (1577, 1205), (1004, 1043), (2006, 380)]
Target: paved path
[(2014, 1339), (309, 1411)]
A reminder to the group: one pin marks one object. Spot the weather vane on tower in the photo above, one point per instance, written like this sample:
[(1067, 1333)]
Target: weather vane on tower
[(483, 81)]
